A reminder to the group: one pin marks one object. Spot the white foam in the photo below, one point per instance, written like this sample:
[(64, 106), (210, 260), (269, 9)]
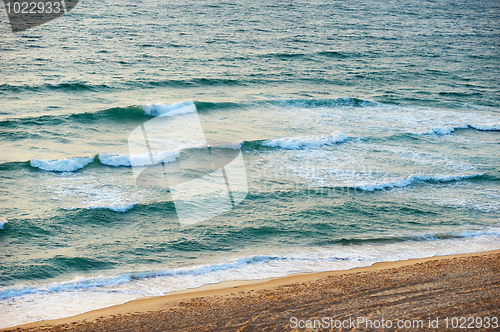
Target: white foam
[(154, 158), (445, 130), (374, 119), (407, 181), (24, 303), (116, 208), (445, 123), (2, 223), (88, 191), (111, 159), (62, 165), (487, 126), (161, 109), (283, 263), (113, 281), (77, 284), (139, 159), (303, 142), (340, 101)]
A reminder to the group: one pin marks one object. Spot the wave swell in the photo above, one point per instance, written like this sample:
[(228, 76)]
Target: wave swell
[(408, 181), (63, 165), (249, 265), (108, 159), (304, 142), (446, 130)]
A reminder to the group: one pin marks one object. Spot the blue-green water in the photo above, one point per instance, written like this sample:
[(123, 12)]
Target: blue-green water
[(368, 130)]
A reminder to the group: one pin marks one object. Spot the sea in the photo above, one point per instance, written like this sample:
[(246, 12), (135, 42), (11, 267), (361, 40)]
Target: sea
[(362, 132)]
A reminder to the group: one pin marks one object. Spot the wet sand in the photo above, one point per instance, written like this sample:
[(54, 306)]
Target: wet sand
[(408, 292)]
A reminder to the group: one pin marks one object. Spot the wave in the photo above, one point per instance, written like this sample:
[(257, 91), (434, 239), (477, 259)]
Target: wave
[(337, 54), (126, 160), (253, 267), (129, 113), (486, 127), (62, 165), (67, 87), (139, 159), (116, 208), (450, 235), (288, 143), (408, 181), (304, 142), (441, 131), (446, 130), (108, 159), (87, 87), (134, 113), (341, 101), (141, 113), (161, 109), (137, 113), (328, 54), (89, 283), (187, 83), (3, 223)]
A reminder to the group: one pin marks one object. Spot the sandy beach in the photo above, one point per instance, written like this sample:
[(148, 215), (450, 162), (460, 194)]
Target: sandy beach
[(433, 292)]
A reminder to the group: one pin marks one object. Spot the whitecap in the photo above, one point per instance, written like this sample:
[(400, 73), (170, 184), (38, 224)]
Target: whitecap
[(303, 142), (407, 181), (161, 109), (139, 159), (62, 165), (116, 208), (3, 222)]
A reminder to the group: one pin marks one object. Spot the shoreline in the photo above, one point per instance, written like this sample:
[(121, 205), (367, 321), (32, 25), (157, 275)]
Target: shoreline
[(227, 290)]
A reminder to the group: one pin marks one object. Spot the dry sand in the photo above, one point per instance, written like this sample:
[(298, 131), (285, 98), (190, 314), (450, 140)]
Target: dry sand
[(447, 286)]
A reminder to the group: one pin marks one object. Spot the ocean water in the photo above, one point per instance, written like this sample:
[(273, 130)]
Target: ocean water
[(369, 131)]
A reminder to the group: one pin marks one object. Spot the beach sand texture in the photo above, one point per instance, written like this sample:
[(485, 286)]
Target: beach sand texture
[(421, 289)]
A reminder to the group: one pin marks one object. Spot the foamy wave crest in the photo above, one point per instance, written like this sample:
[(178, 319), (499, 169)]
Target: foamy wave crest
[(169, 109), (89, 283), (486, 127), (303, 142), (493, 231), (63, 165), (445, 130), (114, 159), (113, 281), (405, 182), (2, 223), (33, 300), (77, 284), (139, 159), (204, 269), (341, 101), (109, 159), (116, 208), (266, 266)]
